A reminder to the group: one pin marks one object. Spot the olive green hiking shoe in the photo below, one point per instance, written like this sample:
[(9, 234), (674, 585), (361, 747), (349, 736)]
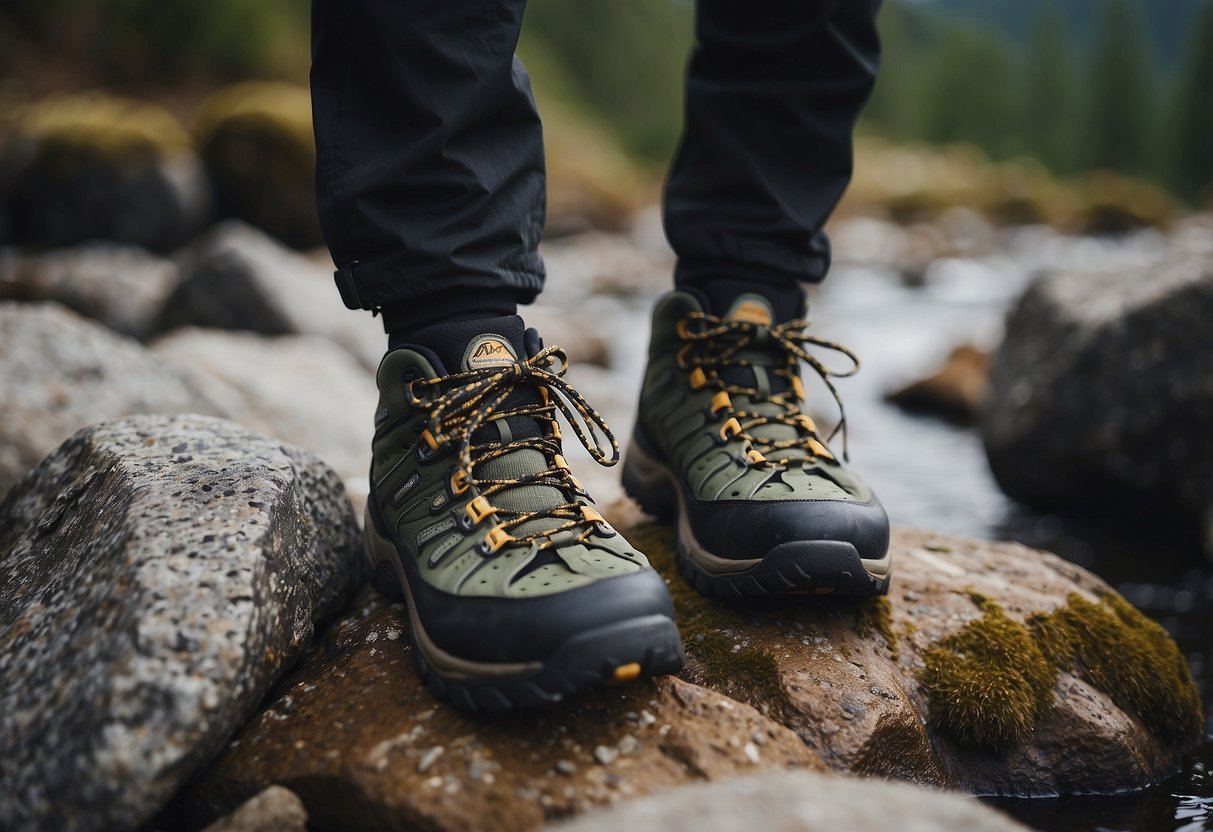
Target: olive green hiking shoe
[(519, 593), (763, 506)]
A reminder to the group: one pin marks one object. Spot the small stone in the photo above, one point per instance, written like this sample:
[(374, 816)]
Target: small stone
[(566, 767), (429, 758), (751, 753), (628, 744), (605, 755), (759, 738)]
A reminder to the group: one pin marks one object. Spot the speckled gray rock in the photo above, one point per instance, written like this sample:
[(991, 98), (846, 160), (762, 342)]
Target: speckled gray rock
[(1103, 390), (159, 574), (798, 801), (239, 278), (121, 286), (303, 390), (60, 373), (274, 810)]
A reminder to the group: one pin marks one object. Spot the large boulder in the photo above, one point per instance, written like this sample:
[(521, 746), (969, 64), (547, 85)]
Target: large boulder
[(122, 286), (91, 166), (990, 668), (359, 738), (236, 277), (60, 373), (256, 141), (1102, 393), (160, 573), (798, 802)]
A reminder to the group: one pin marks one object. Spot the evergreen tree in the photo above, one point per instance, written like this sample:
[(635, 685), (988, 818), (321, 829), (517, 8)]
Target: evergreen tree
[(969, 92), (1189, 147), (1048, 117), (1121, 114)]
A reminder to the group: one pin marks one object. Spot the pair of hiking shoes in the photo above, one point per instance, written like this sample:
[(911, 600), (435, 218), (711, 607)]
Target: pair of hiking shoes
[(519, 593)]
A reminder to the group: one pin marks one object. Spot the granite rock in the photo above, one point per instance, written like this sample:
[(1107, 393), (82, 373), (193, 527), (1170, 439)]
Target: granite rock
[(119, 285), (237, 277), (160, 573), (1102, 391), (60, 373), (798, 802), (359, 738)]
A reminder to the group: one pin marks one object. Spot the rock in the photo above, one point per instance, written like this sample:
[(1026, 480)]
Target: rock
[(300, 389), (121, 286), (238, 278), (60, 373), (91, 166), (274, 810), (1114, 204), (956, 392), (973, 674), (1101, 393), (159, 573), (580, 336), (256, 140), (356, 735), (797, 802)]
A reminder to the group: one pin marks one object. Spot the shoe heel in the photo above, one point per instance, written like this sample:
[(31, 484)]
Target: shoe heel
[(647, 482)]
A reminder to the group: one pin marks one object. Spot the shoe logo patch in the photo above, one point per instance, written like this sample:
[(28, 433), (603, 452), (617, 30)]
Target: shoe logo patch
[(751, 308), (488, 351)]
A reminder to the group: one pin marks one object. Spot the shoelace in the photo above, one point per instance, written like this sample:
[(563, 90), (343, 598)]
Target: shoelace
[(713, 345), (461, 403)]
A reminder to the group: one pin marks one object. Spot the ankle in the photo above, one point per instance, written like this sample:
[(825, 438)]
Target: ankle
[(402, 320)]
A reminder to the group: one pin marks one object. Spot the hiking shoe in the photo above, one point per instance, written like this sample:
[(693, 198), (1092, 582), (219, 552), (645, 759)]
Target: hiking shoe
[(519, 593), (763, 505)]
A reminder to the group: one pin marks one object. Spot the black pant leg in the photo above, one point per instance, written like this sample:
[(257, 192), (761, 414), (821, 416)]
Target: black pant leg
[(773, 93), (430, 171)]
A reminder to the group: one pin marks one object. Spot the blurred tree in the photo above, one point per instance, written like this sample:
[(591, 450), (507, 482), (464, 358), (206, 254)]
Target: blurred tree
[(970, 92), (890, 110), (1048, 114), (1189, 145), (1121, 119)]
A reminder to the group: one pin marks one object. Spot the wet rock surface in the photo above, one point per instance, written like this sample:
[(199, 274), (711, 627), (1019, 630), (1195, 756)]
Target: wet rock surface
[(854, 681), (274, 810), (1102, 390), (159, 574), (798, 802), (357, 736)]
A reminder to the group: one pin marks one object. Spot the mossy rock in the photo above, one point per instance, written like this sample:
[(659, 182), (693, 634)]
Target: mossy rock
[(94, 166), (1112, 203), (256, 141), (985, 669)]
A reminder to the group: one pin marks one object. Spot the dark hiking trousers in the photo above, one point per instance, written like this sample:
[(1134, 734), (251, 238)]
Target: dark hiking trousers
[(430, 170)]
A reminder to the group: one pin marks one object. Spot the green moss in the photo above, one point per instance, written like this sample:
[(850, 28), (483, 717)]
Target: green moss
[(876, 615), (989, 683), (1127, 656), (109, 126), (264, 108), (750, 673)]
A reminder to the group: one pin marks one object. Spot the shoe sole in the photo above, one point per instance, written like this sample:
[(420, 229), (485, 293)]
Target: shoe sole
[(803, 567), (612, 654)]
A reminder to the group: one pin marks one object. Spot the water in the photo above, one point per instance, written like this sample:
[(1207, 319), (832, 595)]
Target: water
[(933, 475)]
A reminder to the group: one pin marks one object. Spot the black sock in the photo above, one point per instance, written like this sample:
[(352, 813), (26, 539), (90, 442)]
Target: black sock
[(402, 319), (786, 297)]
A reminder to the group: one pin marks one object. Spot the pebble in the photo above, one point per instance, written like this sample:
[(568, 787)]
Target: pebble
[(605, 755), (429, 758), (566, 767)]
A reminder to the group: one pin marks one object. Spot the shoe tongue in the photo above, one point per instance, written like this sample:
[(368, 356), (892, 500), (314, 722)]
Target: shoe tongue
[(757, 303), (475, 344)]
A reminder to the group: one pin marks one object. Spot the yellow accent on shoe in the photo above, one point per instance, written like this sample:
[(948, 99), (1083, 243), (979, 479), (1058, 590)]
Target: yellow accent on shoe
[(698, 378), (819, 449), (429, 439), (806, 422), (730, 429), (755, 457), (560, 462), (495, 539), (591, 515), (478, 509), (626, 673), (721, 401), (798, 388), (459, 482)]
